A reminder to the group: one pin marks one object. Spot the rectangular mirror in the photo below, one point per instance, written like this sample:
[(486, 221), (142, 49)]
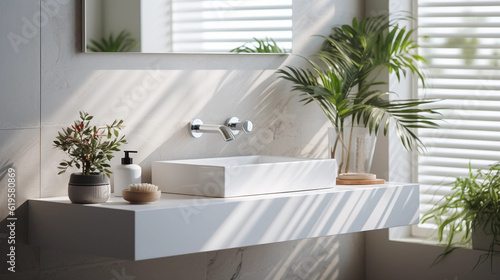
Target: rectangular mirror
[(187, 26)]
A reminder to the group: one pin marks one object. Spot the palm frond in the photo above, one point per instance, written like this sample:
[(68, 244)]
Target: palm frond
[(406, 115), (327, 88), (266, 45), (122, 43)]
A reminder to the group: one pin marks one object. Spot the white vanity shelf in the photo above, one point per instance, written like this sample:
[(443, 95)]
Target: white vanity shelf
[(182, 224)]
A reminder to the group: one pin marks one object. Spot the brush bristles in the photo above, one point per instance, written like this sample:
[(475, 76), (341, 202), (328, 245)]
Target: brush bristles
[(144, 187)]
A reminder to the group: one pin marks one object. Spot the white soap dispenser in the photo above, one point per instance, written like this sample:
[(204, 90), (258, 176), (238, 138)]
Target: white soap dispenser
[(125, 174)]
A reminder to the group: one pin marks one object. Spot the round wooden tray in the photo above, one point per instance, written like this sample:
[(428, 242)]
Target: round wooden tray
[(357, 176), (360, 182)]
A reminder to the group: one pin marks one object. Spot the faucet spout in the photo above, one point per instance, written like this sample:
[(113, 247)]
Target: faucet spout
[(224, 131), (197, 128), (227, 134)]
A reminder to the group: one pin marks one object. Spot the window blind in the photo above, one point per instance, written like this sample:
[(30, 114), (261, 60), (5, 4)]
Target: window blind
[(222, 25), (461, 42)]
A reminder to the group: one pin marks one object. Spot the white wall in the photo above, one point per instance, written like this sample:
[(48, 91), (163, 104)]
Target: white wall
[(46, 79), (156, 26), (119, 15)]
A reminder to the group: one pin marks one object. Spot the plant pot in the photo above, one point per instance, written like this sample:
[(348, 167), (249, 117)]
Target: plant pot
[(352, 156), (94, 188), (482, 238)]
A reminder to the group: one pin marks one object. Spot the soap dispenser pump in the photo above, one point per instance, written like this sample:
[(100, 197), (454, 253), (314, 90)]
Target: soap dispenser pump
[(125, 174)]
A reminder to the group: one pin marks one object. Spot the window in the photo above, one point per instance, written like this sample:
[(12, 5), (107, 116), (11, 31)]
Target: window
[(461, 41), (222, 25)]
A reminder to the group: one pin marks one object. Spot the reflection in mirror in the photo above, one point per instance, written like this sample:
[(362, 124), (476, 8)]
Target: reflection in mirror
[(185, 26)]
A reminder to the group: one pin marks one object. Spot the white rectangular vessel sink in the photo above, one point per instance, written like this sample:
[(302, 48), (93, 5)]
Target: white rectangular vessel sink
[(244, 175)]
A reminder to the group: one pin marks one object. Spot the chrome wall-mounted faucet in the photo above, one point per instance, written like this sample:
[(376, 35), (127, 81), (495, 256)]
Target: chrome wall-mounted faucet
[(236, 125), (197, 128)]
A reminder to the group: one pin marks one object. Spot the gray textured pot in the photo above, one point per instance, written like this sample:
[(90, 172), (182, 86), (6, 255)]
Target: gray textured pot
[(94, 188)]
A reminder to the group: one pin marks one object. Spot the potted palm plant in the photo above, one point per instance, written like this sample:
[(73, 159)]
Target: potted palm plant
[(344, 82), (470, 214), (89, 148)]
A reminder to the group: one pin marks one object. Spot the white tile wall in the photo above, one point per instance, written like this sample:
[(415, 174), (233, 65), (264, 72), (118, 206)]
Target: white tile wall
[(45, 84), (20, 65)]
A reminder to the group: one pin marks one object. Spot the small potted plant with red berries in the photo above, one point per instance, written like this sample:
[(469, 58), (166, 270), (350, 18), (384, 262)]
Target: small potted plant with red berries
[(90, 148)]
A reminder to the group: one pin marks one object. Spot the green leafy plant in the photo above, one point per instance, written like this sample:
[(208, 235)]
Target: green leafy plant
[(267, 45), (89, 147), (344, 85), (122, 43), (473, 204)]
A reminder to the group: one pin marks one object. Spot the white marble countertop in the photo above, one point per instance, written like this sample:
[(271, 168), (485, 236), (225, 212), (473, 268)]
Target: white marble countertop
[(183, 224), (168, 200)]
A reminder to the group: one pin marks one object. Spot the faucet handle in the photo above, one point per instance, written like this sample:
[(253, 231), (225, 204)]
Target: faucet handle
[(236, 125)]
